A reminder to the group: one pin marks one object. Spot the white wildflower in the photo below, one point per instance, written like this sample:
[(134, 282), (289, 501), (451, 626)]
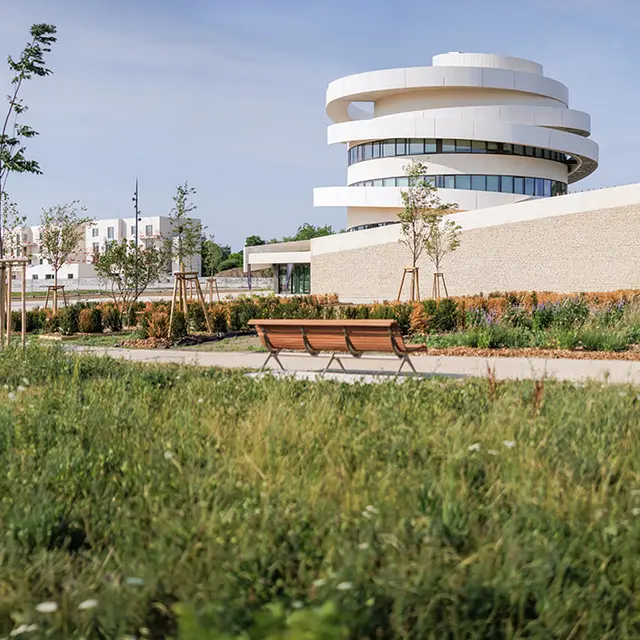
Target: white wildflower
[(635, 511), (21, 388), (88, 604), (47, 607), (509, 444), (474, 447), (24, 628), (200, 400), (345, 586), (371, 509), (363, 546), (11, 396), (5, 386), (26, 382), (168, 455), (623, 393), (136, 582), (296, 604), (492, 452), (320, 582)]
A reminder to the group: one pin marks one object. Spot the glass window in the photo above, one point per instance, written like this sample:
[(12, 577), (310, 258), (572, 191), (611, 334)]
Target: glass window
[(401, 147), (402, 182), (518, 185), (539, 186), (547, 188), (430, 146), (70, 276), (416, 146), (479, 183), (529, 186), (389, 148), (376, 149), (507, 148), (133, 229), (492, 147), (463, 182), (493, 183), (96, 247), (539, 152), (528, 151), (34, 276), (463, 146), (430, 180), (148, 229), (449, 182), (506, 184), (448, 146), (518, 150), (368, 151), (110, 232), (478, 146), (389, 182), (48, 276), (547, 154), (95, 232)]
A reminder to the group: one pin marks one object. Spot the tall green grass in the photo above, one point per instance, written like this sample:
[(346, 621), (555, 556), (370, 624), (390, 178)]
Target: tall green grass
[(203, 504)]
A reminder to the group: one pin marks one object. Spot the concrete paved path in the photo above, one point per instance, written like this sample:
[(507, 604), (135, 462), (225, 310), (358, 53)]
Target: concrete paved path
[(615, 371)]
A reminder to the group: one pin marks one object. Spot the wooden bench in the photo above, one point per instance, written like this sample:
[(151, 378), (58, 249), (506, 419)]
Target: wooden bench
[(314, 337)]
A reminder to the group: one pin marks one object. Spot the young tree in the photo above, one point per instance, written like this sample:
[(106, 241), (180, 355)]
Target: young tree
[(422, 206), (13, 225), (186, 232), (443, 238), (13, 136), (61, 230), (212, 255), (130, 272)]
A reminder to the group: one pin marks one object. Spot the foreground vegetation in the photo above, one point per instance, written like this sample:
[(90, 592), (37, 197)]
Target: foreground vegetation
[(591, 322), (174, 502)]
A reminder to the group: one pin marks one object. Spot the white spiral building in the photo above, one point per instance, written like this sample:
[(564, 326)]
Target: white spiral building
[(492, 130)]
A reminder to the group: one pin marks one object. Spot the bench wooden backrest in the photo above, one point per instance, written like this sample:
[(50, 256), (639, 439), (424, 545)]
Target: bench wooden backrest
[(354, 336)]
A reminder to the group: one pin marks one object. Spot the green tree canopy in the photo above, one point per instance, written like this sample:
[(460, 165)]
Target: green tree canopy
[(254, 241), (13, 135)]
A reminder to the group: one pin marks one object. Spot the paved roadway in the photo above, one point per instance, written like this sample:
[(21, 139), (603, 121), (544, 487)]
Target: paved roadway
[(615, 371)]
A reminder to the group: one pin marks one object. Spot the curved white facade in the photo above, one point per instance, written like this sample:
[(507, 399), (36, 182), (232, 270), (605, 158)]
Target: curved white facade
[(491, 130)]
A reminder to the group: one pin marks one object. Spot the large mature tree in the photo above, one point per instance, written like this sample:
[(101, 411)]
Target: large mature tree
[(13, 227), (14, 134), (130, 272), (62, 228), (422, 214), (186, 231), (254, 241), (308, 231)]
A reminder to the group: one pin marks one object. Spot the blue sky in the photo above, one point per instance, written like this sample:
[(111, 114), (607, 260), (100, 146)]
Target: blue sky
[(229, 95)]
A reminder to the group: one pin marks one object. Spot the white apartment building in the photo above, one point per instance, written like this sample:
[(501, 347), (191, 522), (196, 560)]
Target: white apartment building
[(151, 231)]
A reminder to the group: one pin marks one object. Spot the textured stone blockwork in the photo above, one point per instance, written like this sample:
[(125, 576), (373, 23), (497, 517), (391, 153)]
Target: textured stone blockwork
[(591, 251)]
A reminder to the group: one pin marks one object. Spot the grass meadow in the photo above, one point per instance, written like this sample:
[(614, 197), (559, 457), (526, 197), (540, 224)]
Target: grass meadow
[(174, 502)]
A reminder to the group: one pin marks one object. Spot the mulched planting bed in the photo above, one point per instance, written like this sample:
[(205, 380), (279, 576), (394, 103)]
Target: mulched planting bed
[(632, 354)]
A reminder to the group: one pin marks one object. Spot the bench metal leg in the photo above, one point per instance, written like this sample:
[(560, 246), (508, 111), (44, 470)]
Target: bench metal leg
[(331, 359), (405, 359), (274, 355)]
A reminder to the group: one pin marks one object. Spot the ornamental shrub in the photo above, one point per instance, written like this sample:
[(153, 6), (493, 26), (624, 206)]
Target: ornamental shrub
[(158, 324), (90, 320), (111, 317), (446, 315), (197, 321), (178, 325), (68, 319)]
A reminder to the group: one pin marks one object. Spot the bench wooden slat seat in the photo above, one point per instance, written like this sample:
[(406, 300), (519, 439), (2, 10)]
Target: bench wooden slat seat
[(316, 337)]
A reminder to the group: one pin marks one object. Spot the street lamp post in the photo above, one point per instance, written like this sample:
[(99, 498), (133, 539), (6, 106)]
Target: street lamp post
[(137, 210)]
